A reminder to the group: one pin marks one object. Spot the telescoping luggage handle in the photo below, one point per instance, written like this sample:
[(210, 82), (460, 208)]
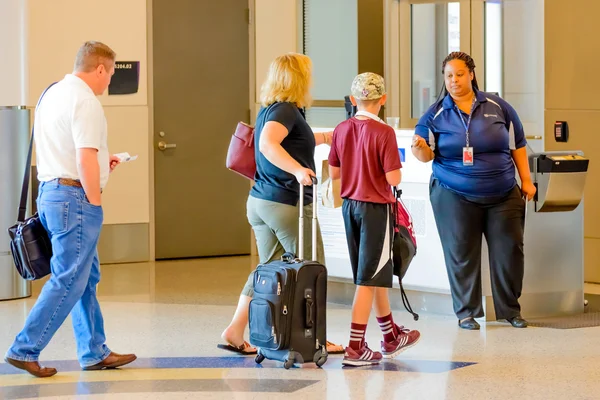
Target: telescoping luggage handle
[(314, 221)]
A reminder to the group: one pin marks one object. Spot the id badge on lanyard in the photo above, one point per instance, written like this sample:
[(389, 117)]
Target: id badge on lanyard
[(468, 156), (467, 153)]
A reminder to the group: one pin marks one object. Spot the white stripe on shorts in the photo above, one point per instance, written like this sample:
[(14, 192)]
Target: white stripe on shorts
[(386, 252)]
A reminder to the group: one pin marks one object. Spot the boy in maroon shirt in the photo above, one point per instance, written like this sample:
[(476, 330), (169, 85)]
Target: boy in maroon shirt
[(364, 154)]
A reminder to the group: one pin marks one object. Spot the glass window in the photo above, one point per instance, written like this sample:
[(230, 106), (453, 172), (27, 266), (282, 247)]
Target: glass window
[(493, 47), (325, 117), (514, 57), (435, 33), (331, 41), (453, 27)]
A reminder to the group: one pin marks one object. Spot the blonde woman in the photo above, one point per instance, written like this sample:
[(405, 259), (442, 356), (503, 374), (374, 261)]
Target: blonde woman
[(285, 146)]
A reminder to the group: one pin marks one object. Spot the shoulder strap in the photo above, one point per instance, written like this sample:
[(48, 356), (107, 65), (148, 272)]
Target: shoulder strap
[(397, 193), (25, 188)]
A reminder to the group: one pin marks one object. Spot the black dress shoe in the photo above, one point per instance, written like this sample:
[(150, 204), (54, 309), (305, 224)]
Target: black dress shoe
[(469, 324), (518, 322)]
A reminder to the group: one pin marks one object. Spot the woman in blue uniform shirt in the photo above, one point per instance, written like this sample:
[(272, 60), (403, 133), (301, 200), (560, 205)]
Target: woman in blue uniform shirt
[(475, 141)]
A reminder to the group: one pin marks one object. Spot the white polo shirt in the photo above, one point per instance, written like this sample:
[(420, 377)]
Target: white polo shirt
[(68, 118)]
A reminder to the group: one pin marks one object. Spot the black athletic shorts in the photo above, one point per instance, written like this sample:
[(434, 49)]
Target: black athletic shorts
[(369, 232)]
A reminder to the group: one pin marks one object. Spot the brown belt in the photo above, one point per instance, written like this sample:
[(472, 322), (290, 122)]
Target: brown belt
[(69, 182)]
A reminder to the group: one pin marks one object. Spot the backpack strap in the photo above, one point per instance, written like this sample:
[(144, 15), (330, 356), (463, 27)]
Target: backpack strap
[(405, 301)]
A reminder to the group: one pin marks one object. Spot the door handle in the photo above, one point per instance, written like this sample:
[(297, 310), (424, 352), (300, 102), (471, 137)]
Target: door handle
[(162, 146)]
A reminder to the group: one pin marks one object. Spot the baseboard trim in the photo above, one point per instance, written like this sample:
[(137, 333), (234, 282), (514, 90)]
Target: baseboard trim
[(540, 305), (533, 305), (124, 243), (12, 286), (341, 291)]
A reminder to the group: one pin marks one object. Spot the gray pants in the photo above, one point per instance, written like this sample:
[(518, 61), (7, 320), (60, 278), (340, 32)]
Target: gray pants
[(275, 227), (461, 224)]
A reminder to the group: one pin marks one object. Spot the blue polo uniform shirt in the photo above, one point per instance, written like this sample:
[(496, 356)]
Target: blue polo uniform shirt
[(494, 131)]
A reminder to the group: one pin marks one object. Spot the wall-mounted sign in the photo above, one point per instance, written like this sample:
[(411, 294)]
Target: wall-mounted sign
[(126, 78)]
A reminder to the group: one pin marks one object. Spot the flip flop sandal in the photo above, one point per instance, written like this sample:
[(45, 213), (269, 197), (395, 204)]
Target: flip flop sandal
[(341, 351), (240, 350)]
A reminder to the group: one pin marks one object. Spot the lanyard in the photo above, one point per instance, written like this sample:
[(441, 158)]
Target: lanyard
[(468, 123), (368, 115)]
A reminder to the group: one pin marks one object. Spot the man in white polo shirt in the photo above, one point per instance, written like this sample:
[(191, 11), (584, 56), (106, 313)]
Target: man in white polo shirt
[(73, 165)]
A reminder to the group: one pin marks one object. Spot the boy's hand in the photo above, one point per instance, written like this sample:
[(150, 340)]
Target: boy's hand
[(303, 176), (419, 143)]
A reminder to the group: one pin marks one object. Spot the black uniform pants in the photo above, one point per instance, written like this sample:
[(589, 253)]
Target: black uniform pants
[(461, 222)]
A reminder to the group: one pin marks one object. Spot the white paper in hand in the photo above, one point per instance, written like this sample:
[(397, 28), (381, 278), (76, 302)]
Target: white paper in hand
[(125, 157)]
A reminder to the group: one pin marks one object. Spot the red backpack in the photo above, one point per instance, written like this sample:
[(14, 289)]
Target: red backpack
[(404, 219), (405, 246)]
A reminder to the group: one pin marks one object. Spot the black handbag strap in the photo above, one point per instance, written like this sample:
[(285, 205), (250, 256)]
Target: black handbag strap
[(25, 188)]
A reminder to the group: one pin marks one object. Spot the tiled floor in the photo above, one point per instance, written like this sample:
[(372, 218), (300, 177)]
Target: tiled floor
[(171, 315)]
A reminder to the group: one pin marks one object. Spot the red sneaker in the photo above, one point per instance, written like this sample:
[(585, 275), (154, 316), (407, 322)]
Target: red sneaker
[(362, 357), (405, 340)]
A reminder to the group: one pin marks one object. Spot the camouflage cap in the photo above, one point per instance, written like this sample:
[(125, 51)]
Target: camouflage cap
[(368, 86)]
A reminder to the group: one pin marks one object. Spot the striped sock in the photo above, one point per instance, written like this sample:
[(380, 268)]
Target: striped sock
[(388, 328), (357, 336)]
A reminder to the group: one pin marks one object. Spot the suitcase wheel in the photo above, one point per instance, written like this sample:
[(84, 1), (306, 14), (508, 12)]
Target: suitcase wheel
[(259, 358), (288, 364), (321, 361), (320, 357)]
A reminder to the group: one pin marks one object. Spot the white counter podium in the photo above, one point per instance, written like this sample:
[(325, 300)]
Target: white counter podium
[(553, 283)]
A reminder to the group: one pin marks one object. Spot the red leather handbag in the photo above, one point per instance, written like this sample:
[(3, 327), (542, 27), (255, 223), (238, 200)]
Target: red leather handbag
[(240, 155)]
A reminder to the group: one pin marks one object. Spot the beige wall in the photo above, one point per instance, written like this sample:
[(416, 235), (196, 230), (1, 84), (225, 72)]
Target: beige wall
[(13, 53), (56, 30), (276, 33), (572, 87)]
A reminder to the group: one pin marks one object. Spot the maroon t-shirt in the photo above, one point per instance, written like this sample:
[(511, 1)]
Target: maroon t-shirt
[(365, 150)]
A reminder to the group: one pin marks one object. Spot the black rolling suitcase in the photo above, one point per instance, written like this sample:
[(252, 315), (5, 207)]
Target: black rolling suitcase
[(287, 312)]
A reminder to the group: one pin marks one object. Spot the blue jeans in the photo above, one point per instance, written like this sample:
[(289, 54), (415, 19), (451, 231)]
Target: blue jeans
[(73, 225)]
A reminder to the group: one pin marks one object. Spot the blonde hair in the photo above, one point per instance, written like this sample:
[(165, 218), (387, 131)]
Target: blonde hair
[(92, 54), (289, 80)]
